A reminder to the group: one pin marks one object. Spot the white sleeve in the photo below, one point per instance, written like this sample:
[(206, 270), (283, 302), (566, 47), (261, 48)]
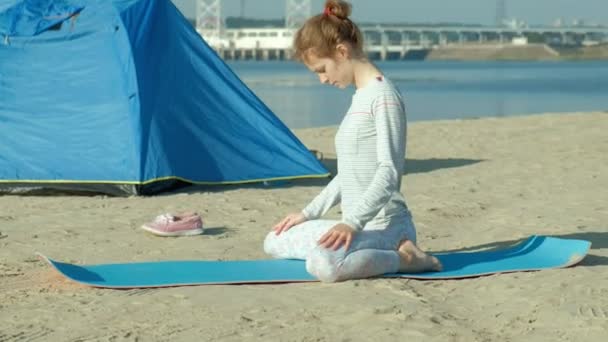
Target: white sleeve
[(324, 201), (389, 118)]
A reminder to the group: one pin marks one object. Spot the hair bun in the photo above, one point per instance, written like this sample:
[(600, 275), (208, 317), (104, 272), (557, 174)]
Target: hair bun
[(338, 8)]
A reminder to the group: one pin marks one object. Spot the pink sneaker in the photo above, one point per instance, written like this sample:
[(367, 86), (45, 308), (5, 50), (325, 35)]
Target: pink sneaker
[(175, 225)]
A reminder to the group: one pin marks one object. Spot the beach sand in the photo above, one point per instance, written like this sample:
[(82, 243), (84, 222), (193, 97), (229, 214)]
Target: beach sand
[(471, 184)]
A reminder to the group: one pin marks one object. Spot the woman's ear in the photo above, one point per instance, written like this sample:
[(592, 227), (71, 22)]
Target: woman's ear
[(342, 52)]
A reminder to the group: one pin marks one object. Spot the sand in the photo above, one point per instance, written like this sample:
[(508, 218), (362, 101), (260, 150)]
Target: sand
[(471, 184)]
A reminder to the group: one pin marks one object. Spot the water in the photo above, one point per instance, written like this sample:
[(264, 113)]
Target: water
[(436, 90)]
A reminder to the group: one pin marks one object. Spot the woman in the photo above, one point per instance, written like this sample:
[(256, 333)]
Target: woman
[(376, 234)]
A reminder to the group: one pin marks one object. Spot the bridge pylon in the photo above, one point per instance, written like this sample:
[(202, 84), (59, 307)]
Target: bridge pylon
[(501, 13), (296, 13), (209, 21)]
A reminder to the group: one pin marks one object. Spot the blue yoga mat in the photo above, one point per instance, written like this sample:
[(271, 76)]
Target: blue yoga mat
[(535, 253)]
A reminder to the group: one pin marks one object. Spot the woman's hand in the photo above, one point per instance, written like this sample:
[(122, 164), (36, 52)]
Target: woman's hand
[(337, 236), (288, 222)]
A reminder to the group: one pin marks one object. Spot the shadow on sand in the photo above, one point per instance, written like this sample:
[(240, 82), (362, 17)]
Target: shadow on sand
[(412, 166)]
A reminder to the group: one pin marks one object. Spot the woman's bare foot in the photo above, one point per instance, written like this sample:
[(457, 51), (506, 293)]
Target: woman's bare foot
[(414, 260)]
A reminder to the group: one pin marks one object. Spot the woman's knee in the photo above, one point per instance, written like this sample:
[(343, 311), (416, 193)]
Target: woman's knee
[(283, 246), (325, 265), (270, 244)]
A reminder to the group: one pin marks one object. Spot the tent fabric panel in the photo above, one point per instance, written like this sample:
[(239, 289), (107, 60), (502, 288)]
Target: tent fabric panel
[(61, 120), (199, 120)]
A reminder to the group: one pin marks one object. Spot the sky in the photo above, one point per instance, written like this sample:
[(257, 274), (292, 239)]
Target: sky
[(534, 12)]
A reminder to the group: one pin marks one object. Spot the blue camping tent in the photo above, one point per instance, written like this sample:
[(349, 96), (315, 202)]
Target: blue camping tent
[(124, 97)]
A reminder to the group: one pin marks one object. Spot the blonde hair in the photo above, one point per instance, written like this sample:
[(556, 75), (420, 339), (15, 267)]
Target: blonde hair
[(323, 32)]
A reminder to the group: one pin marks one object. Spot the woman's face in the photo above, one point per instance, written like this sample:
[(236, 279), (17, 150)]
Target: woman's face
[(335, 71)]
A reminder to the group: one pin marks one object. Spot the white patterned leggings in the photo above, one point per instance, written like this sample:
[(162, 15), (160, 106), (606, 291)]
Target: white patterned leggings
[(373, 251)]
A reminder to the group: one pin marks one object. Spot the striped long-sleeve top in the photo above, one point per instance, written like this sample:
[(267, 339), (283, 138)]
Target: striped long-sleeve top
[(370, 147)]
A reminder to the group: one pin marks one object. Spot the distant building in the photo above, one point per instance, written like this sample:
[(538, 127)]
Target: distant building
[(260, 38), (519, 41), (514, 23), (578, 22), (559, 22)]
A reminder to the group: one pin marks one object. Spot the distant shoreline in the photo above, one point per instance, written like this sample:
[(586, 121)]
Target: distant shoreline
[(456, 52), (530, 52)]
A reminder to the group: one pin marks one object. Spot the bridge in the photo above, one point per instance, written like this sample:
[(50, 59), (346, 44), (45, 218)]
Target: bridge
[(392, 42), (381, 41), (398, 39)]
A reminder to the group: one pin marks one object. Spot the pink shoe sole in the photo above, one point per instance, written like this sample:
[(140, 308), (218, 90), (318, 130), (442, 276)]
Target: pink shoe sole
[(189, 232)]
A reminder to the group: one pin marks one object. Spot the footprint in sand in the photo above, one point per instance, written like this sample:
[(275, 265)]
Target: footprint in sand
[(400, 288), (396, 312), (7, 271), (593, 312), (32, 333)]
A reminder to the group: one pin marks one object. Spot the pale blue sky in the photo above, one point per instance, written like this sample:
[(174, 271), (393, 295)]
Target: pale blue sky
[(466, 11)]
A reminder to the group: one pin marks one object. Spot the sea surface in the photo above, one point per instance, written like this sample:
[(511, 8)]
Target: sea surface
[(436, 89)]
